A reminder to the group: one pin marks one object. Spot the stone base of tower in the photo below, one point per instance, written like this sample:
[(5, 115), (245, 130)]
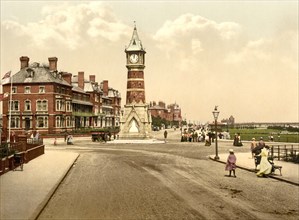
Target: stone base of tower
[(135, 122)]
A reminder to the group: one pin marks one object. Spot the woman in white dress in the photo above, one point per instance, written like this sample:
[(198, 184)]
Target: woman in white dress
[(264, 167)]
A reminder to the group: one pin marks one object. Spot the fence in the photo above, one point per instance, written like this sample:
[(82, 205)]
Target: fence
[(288, 153), (28, 148)]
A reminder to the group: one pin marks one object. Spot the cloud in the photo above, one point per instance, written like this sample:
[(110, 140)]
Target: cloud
[(193, 38), (71, 26)]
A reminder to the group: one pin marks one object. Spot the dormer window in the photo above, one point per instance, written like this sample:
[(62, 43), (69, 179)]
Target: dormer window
[(30, 73), (55, 73)]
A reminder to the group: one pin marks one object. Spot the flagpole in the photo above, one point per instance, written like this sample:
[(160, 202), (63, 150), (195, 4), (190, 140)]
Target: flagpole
[(9, 118)]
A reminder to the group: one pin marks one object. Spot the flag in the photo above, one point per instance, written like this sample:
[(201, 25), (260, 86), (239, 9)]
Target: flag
[(6, 77), (3, 96)]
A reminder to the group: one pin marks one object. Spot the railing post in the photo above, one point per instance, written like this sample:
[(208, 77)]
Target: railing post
[(278, 152)]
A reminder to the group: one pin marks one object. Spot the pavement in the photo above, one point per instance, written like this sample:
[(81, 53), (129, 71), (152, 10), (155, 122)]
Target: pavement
[(25, 193), (289, 171)]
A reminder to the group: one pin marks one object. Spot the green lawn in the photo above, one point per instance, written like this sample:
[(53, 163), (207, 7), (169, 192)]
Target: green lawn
[(278, 135)]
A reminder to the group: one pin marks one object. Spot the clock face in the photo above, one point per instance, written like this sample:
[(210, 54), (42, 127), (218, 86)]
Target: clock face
[(133, 58)]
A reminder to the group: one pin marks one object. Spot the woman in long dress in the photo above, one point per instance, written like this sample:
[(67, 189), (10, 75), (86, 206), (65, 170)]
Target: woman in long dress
[(264, 167)]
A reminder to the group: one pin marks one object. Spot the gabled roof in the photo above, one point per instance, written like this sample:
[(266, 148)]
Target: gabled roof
[(38, 74), (135, 43)]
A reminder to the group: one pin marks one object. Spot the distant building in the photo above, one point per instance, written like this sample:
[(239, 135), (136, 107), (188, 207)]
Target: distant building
[(171, 113), (230, 121), (49, 101)]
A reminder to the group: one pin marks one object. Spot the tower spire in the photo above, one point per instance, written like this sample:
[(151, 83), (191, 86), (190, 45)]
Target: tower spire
[(135, 43)]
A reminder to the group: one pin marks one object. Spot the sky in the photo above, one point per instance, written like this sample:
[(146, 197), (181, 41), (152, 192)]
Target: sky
[(239, 55)]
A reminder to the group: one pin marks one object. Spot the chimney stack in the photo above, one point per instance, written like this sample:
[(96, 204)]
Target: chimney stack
[(67, 77), (24, 62), (53, 63), (105, 87), (92, 78), (81, 80)]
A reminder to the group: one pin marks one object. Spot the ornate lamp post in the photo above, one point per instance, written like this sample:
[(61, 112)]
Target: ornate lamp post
[(216, 114)]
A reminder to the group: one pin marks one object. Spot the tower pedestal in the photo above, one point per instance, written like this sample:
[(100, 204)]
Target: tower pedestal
[(135, 122)]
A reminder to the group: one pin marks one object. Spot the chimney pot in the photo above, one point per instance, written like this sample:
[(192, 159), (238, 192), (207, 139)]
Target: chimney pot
[(53, 63), (92, 78), (24, 61), (105, 87), (81, 80)]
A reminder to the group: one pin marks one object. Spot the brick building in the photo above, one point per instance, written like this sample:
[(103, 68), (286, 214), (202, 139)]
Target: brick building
[(49, 101), (171, 113)]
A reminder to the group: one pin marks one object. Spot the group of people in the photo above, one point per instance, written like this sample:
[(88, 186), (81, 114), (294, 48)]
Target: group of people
[(237, 140), (260, 153)]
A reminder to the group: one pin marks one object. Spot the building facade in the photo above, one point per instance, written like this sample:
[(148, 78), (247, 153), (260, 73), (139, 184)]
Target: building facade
[(49, 101), (171, 113)]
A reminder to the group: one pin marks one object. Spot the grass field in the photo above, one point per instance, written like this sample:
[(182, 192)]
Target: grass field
[(278, 135)]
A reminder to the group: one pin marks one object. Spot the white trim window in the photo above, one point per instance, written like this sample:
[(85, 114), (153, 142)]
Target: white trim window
[(42, 121), (68, 121), (27, 90), (59, 121), (68, 106), (14, 105), (42, 105), (15, 122), (60, 105), (41, 89), (27, 105), (14, 89)]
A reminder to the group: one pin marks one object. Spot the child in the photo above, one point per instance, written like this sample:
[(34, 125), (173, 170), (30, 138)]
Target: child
[(231, 162)]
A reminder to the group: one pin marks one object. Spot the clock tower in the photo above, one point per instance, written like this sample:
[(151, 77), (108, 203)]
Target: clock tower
[(135, 122)]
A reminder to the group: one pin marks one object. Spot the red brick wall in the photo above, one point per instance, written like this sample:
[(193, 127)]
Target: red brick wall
[(105, 87)]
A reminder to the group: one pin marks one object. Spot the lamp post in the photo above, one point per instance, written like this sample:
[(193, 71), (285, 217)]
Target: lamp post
[(216, 114)]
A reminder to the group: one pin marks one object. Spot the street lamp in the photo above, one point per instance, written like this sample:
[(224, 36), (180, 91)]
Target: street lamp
[(216, 114)]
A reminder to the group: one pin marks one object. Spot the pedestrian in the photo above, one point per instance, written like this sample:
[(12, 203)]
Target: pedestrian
[(69, 140), (235, 140), (231, 163), (37, 135), (239, 142), (271, 138), (261, 142), (256, 151), (165, 135), (252, 146), (65, 136), (264, 167)]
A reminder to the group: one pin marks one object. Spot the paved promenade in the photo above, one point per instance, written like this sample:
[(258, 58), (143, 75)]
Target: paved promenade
[(25, 193), (290, 171)]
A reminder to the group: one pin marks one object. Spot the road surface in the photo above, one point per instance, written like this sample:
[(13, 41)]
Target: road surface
[(164, 181)]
